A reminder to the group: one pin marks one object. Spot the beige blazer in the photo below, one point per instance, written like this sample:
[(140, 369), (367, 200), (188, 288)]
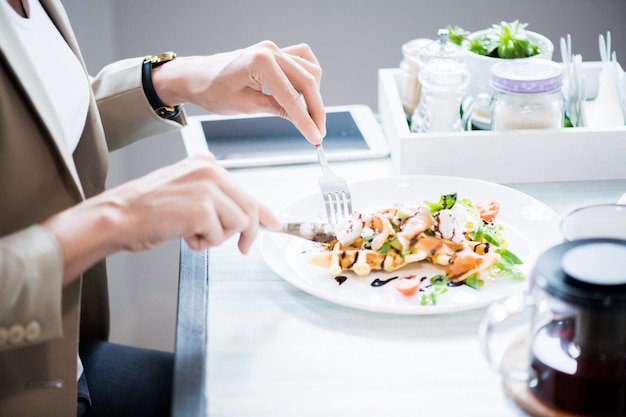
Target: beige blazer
[(40, 320)]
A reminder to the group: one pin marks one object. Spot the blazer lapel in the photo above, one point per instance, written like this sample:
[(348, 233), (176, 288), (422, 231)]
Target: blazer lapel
[(15, 56)]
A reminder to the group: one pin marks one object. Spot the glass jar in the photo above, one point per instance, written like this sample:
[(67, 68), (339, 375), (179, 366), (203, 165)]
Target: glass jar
[(528, 95), (444, 79), (410, 88)]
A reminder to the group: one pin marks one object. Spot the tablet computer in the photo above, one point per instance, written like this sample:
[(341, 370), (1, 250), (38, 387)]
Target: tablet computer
[(353, 132)]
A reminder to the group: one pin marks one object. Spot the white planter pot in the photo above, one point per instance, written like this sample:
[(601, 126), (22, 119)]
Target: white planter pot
[(479, 67)]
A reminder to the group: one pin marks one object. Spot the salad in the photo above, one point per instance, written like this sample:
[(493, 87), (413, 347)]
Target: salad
[(462, 238)]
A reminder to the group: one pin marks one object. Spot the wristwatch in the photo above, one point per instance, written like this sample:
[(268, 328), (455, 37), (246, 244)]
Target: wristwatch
[(149, 62)]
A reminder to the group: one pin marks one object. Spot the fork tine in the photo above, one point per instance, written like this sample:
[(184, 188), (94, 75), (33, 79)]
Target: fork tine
[(330, 210), (335, 192), (345, 203), (338, 205)]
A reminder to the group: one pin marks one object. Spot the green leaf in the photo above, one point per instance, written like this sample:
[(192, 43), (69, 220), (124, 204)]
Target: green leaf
[(439, 280), (500, 271), (456, 34), (478, 234), (509, 257), (492, 233), (506, 40), (491, 240), (439, 285), (395, 243), (468, 204), (506, 267), (474, 282), (385, 247), (481, 46), (484, 233), (433, 298), (446, 201)]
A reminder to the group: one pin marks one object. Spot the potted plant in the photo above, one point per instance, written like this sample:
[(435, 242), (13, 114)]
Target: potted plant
[(506, 40)]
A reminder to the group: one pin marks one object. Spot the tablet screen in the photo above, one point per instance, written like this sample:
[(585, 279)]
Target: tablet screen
[(273, 136)]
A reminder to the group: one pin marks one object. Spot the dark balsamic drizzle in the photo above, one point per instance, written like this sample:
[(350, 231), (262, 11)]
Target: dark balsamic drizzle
[(380, 282), (356, 258), (341, 279), (423, 288)]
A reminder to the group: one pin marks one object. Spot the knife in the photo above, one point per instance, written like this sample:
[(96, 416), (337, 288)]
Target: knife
[(315, 232)]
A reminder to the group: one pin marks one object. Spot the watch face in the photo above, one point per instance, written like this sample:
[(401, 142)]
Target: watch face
[(161, 58)]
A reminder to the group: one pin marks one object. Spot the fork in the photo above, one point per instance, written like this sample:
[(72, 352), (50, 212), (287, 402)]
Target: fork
[(335, 191)]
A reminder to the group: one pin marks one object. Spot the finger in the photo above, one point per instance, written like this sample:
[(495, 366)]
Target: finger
[(313, 97), (309, 115), (248, 236), (265, 218), (219, 224), (301, 50), (236, 211), (268, 219), (293, 69), (207, 231), (245, 208), (224, 208), (311, 68)]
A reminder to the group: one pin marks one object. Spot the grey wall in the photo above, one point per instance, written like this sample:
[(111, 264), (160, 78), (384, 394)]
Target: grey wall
[(351, 38)]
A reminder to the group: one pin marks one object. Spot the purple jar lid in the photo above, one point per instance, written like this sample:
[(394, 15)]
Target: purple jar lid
[(526, 76)]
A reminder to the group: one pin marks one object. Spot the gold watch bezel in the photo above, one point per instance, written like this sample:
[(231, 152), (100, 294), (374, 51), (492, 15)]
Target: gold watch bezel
[(161, 58)]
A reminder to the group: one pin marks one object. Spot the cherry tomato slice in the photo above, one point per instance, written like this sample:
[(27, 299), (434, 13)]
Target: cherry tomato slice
[(408, 285), (488, 209)]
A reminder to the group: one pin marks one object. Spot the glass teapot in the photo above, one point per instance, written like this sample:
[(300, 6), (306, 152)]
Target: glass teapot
[(576, 352)]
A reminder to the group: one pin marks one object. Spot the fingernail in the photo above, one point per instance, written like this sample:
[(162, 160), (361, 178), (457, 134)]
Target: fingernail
[(319, 138)]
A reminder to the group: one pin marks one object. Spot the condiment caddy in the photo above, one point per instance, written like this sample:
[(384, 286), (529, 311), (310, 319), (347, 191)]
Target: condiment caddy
[(533, 155)]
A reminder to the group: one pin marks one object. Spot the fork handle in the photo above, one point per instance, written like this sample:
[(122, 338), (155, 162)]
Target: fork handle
[(321, 155)]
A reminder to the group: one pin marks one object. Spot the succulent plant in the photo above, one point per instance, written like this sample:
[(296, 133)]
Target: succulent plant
[(504, 40)]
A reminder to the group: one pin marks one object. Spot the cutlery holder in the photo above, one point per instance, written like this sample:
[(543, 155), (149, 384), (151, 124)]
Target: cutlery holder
[(538, 155)]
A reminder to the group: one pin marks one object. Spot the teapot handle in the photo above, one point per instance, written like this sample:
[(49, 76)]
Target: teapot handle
[(497, 316)]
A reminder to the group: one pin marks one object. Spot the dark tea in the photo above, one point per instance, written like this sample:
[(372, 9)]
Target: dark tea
[(567, 380)]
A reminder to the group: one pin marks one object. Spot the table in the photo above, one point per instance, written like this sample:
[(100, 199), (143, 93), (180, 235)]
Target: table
[(264, 348)]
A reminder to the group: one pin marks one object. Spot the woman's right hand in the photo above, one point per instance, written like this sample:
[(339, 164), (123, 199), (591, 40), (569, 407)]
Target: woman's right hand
[(236, 82)]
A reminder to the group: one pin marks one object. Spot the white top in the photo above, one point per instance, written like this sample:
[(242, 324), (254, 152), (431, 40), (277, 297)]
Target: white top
[(59, 69)]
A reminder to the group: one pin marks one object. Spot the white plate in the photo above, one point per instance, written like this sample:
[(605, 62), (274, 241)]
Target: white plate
[(530, 227)]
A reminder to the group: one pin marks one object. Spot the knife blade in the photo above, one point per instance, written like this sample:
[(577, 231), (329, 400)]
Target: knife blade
[(315, 232)]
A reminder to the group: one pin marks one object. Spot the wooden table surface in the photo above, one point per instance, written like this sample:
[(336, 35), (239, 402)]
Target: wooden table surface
[(262, 347)]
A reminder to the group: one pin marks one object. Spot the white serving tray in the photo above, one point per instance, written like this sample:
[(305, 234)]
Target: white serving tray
[(567, 154)]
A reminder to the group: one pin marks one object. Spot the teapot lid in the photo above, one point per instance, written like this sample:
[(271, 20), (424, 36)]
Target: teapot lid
[(588, 272)]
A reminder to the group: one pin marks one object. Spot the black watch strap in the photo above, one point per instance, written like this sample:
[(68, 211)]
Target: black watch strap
[(167, 112)]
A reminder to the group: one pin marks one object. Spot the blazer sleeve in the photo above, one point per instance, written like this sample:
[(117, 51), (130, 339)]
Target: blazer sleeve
[(30, 307), (124, 109)]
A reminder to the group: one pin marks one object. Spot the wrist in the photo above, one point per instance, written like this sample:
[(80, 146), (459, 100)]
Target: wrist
[(154, 85), (86, 233)]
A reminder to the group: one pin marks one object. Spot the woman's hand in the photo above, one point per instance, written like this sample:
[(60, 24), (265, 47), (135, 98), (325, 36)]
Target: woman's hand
[(260, 78), (195, 199)]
